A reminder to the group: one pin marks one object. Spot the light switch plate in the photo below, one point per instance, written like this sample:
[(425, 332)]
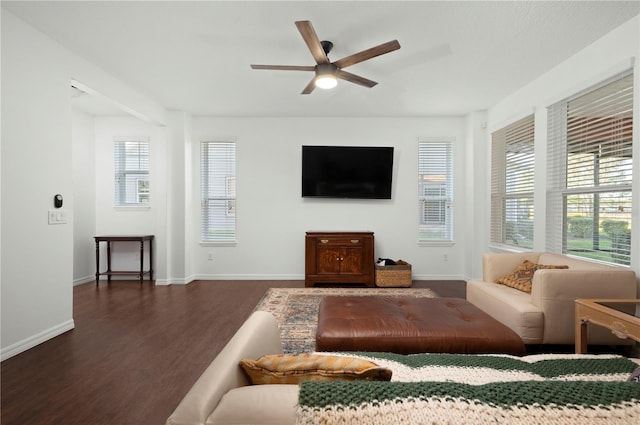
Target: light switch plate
[(57, 216)]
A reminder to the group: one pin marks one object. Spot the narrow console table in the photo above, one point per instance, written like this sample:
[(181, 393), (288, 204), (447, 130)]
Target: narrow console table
[(109, 239)]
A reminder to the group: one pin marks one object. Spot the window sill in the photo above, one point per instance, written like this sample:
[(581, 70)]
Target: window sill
[(132, 207), (508, 248), (436, 243), (221, 243)]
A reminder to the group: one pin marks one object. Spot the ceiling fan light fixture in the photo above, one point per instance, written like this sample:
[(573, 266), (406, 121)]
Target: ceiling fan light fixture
[(326, 81), (326, 76)]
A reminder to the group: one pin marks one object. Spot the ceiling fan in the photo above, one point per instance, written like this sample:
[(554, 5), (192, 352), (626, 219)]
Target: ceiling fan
[(327, 72)]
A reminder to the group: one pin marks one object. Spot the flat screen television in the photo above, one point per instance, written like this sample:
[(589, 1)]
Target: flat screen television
[(357, 172)]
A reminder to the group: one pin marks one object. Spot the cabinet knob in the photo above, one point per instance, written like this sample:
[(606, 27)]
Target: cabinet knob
[(355, 240), (324, 240)]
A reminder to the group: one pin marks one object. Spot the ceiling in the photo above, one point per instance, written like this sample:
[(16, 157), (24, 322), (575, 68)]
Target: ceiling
[(194, 56)]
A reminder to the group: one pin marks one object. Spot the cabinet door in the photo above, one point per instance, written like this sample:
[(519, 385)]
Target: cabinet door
[(328, 260), (351, 260)]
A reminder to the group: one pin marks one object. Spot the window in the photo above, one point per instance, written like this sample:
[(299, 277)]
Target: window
[(131, 163), (590, 184), (218, 191), (435, 191), (512, 170)]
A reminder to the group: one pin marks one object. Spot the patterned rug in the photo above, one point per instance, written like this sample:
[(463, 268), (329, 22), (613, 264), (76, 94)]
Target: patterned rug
[(296, 310)]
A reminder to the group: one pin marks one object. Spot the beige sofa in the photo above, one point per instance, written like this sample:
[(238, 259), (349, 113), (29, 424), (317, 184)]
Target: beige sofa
[(222, 394), (546, 315)]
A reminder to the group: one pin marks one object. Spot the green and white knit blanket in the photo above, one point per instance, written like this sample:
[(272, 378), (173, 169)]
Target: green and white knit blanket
[(480, 389)]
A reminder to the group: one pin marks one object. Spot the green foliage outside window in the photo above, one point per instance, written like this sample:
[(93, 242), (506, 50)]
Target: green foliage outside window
[(580, 227)]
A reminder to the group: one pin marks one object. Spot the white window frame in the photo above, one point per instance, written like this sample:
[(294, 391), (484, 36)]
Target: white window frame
[(435, 189), (512, 184), (218, 192), (131, 168), (590, 171)]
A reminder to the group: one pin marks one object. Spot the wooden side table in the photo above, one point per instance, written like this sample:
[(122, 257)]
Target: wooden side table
[(109, 240), (339, 258), (621, 317)]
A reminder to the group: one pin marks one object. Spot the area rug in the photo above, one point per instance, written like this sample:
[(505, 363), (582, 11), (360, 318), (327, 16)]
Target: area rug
[(296, 310)]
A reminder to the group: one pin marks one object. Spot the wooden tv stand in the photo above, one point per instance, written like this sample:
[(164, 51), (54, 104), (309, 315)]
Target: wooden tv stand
[(339, 258)]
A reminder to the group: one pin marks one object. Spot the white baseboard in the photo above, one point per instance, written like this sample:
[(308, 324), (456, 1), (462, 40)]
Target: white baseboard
[(175, 281), (248, 277), (83, 280), (36, 339), (437, 277)]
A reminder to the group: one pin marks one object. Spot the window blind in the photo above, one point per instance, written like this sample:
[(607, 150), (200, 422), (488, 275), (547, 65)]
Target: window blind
[(131, 164), (589, 197), (435, 191), (512, 181), (218, 191)]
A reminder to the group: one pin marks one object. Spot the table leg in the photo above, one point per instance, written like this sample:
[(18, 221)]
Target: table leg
[(109, 261), (141, 260), (151, 259), (97, 262), (581, 335)]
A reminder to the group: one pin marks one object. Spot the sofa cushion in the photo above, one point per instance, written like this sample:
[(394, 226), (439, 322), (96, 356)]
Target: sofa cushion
[(293, 369), (521, 277), (509, 306), (257, 404)]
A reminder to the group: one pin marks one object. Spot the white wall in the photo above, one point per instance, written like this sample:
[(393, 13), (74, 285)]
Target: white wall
[(180, 180), (37, 163), (84, 195), (476, 192), (608, 55), (272, 216)]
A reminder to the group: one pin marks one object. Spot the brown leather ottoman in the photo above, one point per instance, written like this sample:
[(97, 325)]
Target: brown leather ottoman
[(409, 325)]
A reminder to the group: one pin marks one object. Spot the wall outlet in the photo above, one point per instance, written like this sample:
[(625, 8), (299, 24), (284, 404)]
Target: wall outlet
[(210, 256), (445, 257)]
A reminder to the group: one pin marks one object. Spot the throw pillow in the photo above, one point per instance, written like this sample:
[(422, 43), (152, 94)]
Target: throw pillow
[(293, 369), (521, 277)]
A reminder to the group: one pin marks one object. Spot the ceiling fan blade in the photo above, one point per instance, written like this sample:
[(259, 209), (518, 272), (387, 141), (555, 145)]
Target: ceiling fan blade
[(364, 55), (284, 67), (309, 88), (313, 43), (353, 78)]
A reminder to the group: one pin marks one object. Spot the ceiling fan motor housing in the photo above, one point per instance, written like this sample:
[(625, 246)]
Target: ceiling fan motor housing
[(326, 69), (326, 46)]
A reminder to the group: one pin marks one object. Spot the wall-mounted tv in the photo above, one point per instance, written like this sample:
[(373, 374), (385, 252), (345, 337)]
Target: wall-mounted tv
[(357, 172)]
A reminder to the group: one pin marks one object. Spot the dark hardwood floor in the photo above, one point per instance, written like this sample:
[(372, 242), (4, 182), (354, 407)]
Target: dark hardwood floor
[(135, 351)]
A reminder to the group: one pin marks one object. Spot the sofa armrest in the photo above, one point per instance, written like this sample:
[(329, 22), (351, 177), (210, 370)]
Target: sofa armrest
[(498, 264), (555, 290), (258, 336)]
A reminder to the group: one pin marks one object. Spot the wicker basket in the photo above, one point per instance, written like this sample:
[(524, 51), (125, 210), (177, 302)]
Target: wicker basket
[(393, 276)]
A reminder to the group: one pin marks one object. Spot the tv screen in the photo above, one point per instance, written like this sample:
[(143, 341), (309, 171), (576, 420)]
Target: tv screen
[(358, 172)]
